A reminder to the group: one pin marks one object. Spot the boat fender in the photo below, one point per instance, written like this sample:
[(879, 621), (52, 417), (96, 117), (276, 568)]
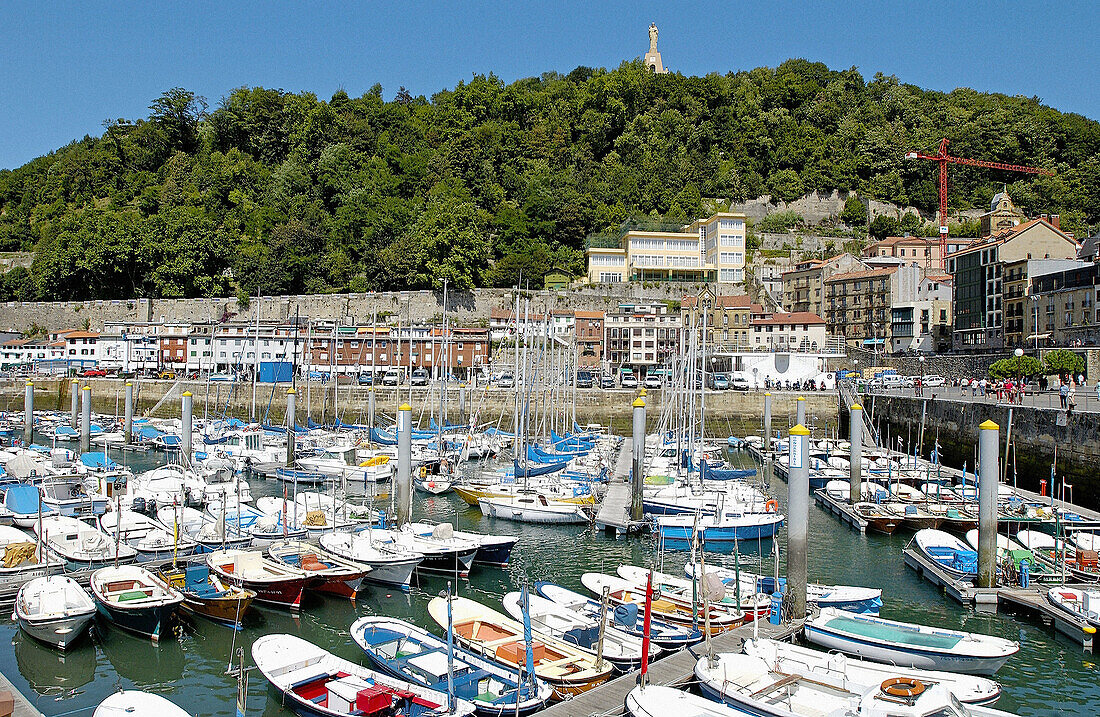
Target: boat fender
[(772, 506), (902, 687)]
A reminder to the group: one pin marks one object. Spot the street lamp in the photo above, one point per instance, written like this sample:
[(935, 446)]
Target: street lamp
[(1019, 353), (921, 360)]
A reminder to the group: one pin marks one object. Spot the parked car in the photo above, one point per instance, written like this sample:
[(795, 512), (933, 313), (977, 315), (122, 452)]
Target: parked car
[(933, 380), (739, 382), (367, 378), (420, 377), (719, 382), (166, 375), (392, 377), (584, 379), (506, 380), (652, 381), (93, 373), (607, 381), (628, 380)]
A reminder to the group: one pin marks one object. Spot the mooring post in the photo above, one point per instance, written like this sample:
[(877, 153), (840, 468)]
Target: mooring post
[(28, 414), (128, 423), (855, 453), (187, 413), (74, 420), (86, 419), (291, 423), (767, 422), (798, 519), (370, 407), (988, 455), (637, 479), (404, 464), (462, 402), (800, 411)]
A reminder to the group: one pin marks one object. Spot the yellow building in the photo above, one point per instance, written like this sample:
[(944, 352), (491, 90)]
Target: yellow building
[(707, 250)]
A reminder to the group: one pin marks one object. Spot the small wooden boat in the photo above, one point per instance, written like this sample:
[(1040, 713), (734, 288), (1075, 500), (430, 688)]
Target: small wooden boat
[(1081, 604), (406, 651), (754, 603), (389, 564), (136, 600), (207, 595), (331, 573), (550, 619), (1013, 555), (751, 685), (135, 703), (667, 607), (666, 635), (535, 508), (878, 518), (855, 671), (567, 668), (54, 610), (79, 544), (274, 583), (907, 644), (843, 597), (1059, 554), (316, 682), (955, 557), (442, 551)]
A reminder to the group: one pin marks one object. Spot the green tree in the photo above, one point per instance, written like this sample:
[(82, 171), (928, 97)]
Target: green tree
[(1016, 367), (1063, 362), (854, 213), (884, 226)]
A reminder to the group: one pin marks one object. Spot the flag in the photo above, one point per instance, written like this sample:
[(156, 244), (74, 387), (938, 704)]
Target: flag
[(645, 627), (526, 599)]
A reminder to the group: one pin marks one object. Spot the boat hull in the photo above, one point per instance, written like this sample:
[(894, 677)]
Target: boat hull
[(152, 621), (904, 657), (449, 563), (57, 632), (495, 555)]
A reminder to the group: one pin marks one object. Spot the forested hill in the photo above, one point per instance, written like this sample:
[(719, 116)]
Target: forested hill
[(276, 192)]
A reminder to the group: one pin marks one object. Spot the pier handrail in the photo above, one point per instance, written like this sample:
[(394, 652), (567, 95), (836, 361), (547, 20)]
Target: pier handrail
[(850, 397)]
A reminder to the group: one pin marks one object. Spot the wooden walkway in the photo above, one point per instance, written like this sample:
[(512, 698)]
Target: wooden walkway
[(23, 706), (1034, 600), (841, 509), (614, 513), (675, 669)]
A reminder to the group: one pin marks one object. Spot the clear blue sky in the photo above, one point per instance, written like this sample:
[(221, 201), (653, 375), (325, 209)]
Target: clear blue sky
[(67, 66)]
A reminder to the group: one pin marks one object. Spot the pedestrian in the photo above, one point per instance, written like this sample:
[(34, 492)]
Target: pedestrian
[(1063, 393), (1072, 400), (1098, 389)]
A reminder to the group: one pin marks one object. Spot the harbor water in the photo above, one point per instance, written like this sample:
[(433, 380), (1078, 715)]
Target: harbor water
[(1050, 675)]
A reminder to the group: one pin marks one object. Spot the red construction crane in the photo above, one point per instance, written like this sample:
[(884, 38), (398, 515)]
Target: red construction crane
[(942, 157)]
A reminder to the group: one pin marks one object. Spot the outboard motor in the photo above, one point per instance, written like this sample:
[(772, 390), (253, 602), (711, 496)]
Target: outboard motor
[(138, 505)]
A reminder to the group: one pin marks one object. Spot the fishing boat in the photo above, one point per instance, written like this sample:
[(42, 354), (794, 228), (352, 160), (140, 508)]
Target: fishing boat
[(855, 671), (533, 508), (207, 532), (727, 527), (666, 635), (442, 552), (661, 701), (274, 583), (24, 503), (1081, 604), (136, 600), (406, 651), (752, 602), (316, 682), (624, 651), (473, 491), (493, 550), (569, 669), (432, 484), (909, 645), (955, 557), (80, 544), (842, 597), (389, 564), (672, 609), (148, 537), (54, 610), (331, 574), (135, 703), (752, 685), (1060, 554), (1012, 556), (207, 595), (878, 519)]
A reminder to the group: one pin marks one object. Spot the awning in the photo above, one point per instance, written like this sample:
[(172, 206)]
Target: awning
[(869, 342), (1037, 336)]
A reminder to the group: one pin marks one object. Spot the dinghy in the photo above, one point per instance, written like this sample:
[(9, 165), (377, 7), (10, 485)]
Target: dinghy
[(442, 551), (878, 518), (567, 668), (536, 508), (274, 583), (136, 600), (135, 703), (754, 603), (207, 595), (389, 564), (547, 618), (665, 635), (1081, 604), (1060, 554), (209, 533), (331, 574), (54, 610), (79, 544), (754, 686), (842, 597), (907, 644), (855, 671), (406, 651), (624, 592), (316, 682), (661, 701), (957, 559), (1010, 553), (148, 537)]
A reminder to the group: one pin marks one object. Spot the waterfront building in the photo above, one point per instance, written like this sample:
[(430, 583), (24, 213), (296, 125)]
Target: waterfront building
[(641, 336), (589, 327), (1003, 215), (804, 285), (857, 306), (922, 251), (789, 331), (707, 250), (978, 274), (920, 310), (1062, 307), (728, 319)]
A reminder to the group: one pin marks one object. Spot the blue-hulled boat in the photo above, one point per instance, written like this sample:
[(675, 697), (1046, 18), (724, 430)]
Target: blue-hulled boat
[(408, 652), (24, 502), (955, 557), (136, 600), (726, 528)]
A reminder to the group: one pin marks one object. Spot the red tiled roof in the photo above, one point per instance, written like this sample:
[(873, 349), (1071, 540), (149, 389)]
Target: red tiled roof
[(588, 314), (78, 334), (865, 274)]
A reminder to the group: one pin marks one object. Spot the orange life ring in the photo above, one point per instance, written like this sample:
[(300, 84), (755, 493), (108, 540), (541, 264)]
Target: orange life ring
[(772, 506), (902, 687)]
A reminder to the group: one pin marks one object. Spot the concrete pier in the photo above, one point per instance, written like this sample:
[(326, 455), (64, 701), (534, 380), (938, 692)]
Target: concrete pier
[(128, 422), (291, 423), (28, 413), (403, 495), (637, 470), (798, 519), (187, 427), (855, 453), (86, 419), (987, 504), (74, 420)]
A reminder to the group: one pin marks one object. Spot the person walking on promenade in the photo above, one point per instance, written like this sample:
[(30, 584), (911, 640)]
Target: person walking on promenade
[(1063, 393)]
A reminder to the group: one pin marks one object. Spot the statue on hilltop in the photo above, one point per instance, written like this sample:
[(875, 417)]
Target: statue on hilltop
[(653, 38)]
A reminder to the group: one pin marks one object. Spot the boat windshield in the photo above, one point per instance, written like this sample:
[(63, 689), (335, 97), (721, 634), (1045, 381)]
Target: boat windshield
[(955, 709)]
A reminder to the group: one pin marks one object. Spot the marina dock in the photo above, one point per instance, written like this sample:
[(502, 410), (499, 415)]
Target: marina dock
[(840, 508), (675, 669), (614, 512), (23, 706)]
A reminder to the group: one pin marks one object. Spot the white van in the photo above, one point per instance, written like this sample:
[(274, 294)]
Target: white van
[(893, 380)]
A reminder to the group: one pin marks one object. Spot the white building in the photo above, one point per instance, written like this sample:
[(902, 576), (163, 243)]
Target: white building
[(789, 331)]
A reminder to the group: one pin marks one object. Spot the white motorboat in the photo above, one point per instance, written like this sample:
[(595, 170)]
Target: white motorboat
[(442, 551), (79, 544), (955, 557), (844, 597), (865, 673), (1081, 604), (908, 644), (389, 564), (208, 532), (661, 701), (54, 610), (533, 508), (135, 703), (149, 538)]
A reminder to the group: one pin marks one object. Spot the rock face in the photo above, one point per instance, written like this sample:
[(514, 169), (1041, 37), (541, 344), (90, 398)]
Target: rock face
[(817, 207)]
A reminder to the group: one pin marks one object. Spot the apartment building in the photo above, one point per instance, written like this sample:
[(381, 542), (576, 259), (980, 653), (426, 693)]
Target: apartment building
[(920, 310), (922, 251), (1020, 304), (707, 250), (857, 306), (804, 285), (728, 320), (641, 336), (589, 327), (978, 277), (789, 331), (1062, 307)]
